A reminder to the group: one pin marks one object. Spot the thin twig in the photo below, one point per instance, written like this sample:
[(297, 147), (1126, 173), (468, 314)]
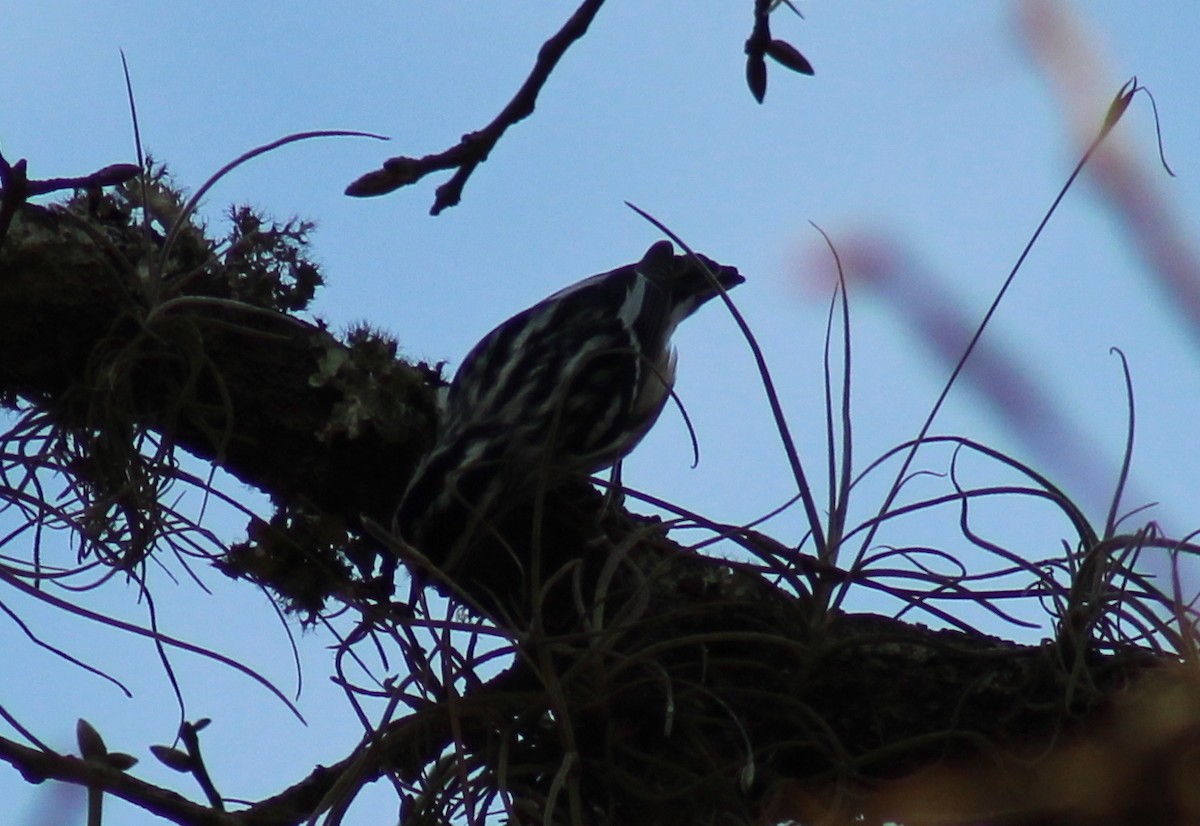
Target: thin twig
[(475, 147)]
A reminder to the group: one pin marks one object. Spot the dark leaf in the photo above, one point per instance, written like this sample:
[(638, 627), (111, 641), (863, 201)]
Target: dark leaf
[(121, 761), (756, 76), (786, 54), (91, 744), (175, 759)]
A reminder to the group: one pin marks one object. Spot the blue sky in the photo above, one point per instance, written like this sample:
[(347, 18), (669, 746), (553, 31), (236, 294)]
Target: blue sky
[(931, 131)]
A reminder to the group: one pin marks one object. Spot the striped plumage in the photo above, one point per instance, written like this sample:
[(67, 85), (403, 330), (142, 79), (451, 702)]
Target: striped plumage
[(568, 386)]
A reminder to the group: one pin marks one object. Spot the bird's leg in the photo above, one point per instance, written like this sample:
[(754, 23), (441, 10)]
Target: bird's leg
[(614, 496)]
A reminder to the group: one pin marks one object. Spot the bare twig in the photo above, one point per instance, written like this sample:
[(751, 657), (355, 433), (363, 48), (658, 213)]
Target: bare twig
[(475, 147)]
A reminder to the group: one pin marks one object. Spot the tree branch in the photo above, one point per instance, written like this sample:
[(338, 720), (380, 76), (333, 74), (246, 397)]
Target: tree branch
[(15, 186), (38, 766), (646, 674), (475, 147)]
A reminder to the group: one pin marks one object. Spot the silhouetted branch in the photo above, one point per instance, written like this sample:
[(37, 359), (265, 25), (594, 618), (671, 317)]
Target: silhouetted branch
[(37, 766), (15, 186), (474, 147)]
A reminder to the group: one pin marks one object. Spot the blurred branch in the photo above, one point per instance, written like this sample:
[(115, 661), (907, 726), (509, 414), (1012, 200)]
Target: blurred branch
[(1070, 60)]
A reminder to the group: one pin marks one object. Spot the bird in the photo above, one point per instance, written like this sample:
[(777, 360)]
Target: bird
[(563, 389)]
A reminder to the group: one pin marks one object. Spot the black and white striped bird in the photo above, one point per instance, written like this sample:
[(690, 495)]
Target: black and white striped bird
[(566, 387)]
